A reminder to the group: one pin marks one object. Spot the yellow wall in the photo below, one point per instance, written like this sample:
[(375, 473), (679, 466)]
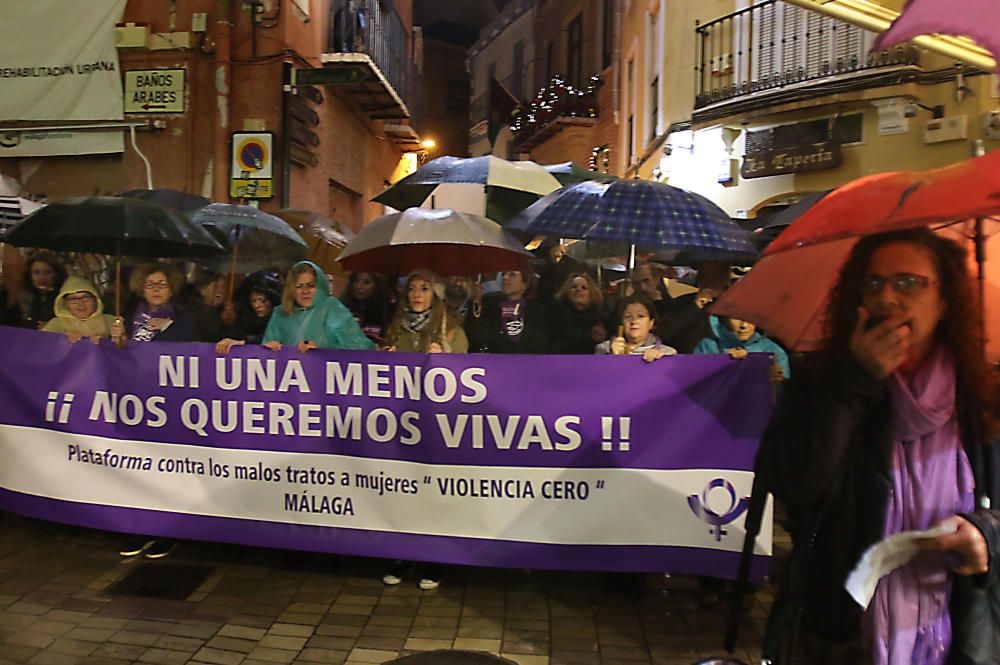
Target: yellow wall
[(698, 169)]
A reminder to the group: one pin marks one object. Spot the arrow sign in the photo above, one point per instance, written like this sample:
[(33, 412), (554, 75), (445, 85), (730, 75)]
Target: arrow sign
[(331, 74)]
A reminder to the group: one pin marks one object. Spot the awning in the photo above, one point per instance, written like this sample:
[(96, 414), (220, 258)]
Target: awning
[(875, 17)]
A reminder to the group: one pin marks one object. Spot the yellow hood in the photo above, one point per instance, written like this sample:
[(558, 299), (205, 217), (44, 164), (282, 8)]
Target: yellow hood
[(74, 284)]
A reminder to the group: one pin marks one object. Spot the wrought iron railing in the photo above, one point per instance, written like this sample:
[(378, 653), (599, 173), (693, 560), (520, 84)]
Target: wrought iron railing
[(774, 44), (372, 27), (556, 100)]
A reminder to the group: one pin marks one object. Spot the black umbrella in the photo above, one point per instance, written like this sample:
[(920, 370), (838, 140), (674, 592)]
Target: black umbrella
[(568, 173), (114, 226), (256, 239), (171, 198), (765, 235)]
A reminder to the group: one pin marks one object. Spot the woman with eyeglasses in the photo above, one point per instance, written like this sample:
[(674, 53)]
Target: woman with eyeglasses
[(311, 318), (157, 317), (79, 312), (886, 430)]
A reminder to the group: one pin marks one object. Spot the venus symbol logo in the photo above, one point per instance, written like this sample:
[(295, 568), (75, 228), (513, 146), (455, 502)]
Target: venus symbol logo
[(699, 506)]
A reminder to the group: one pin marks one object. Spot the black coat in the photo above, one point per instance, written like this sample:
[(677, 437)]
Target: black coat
[(485, 332), (681, 323), (827, 456), (570, 329)]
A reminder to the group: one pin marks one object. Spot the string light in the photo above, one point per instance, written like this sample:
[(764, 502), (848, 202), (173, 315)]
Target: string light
[(600, 158), (557, 99)]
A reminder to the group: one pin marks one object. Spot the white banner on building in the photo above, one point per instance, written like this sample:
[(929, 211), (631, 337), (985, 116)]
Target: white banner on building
[(52, 142), (58, 60)]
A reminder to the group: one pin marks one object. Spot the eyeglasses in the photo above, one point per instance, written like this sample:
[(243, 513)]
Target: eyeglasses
[(162, 284), (82, 298), (307, 285), (902, 283)]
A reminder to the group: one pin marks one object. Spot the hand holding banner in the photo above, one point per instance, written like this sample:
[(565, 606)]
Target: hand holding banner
[(544, 462)]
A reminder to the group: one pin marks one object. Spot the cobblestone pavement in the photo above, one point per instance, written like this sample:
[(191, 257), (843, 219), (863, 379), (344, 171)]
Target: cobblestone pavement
[(63, 600)]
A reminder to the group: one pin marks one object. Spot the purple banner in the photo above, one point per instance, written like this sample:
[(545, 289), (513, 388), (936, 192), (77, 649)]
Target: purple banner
[(577, 462)]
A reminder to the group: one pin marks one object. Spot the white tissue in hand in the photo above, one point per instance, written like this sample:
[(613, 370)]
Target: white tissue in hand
[(886, 556)]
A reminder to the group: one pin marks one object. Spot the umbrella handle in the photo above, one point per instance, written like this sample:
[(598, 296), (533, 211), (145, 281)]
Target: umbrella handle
[(118, 278), (232, 271), (120, 342)]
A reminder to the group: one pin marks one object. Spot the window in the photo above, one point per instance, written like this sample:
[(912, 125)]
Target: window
[(607, 33), (630, 105), (654, 108), (574, 51), (654, 64), (631, 140), (517, 71), (790, 43)]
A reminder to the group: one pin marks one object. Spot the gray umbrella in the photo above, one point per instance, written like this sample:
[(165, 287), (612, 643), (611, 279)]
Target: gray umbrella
[(256, 239), (445, 241)]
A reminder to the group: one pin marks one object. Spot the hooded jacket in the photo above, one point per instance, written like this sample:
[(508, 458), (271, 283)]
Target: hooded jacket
[(724, 339), (97, 323), (326, 321)]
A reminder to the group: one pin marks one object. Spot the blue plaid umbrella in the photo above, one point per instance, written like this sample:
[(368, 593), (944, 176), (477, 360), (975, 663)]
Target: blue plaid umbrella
[(652, 216)]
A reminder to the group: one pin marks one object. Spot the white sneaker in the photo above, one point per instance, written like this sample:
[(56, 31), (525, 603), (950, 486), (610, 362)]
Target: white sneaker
[(427, 584), (395, 574), (431, 576)]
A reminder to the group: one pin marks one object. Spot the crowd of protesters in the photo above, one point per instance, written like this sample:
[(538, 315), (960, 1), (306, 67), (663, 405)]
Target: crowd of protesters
[(558, 307), (421, 312)]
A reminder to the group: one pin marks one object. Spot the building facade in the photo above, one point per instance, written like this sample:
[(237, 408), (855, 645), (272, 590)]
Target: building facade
[(756, 104), (333, 82)]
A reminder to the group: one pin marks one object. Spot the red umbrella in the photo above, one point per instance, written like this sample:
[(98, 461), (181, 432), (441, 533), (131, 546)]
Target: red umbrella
[(786, 292), (899, 200)]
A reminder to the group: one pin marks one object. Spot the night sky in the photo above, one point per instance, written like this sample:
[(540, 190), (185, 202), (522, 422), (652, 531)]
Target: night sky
[(454, 21)]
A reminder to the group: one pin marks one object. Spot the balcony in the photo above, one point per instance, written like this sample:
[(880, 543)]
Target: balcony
[(774, 52), (367, 57), (555, 107)]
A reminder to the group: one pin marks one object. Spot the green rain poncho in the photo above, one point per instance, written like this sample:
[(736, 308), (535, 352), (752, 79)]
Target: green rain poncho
[(326, 322)]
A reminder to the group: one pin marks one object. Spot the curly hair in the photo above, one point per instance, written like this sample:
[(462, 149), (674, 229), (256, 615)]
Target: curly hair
[(140, 274), (49, 259), (960, 328), (596, 297)]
